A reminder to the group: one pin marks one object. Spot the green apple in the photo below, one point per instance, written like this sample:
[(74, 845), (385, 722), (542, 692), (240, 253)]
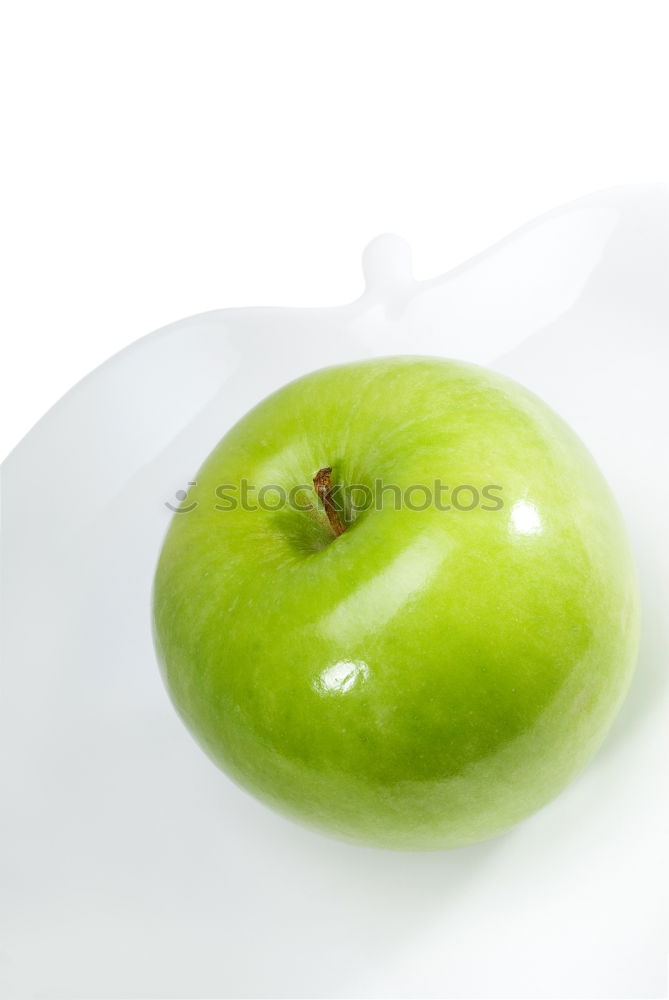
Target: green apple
[(431, 635)]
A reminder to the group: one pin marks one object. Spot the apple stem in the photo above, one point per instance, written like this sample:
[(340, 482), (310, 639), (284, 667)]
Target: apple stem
[(323, 487)]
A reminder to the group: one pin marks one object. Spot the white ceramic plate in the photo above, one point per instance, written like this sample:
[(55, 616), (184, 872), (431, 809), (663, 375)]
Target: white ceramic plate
[(130, 866)]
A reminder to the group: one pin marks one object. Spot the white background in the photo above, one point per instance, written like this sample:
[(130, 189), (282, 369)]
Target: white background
[(161, 159), (164, 159)]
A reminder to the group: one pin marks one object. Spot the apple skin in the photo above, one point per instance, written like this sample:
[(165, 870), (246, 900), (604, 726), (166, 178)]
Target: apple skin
[(428, 678)]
